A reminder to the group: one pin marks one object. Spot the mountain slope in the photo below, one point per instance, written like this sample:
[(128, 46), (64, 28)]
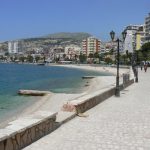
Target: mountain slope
[(69, 35)]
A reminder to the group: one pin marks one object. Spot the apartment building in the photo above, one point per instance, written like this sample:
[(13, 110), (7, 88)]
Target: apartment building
[(147, 28), (135, 34), (140, 36), (90, 45), (13, 47)]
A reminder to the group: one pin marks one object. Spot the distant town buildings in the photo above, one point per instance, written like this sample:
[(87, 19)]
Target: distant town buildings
[(108, 46), (90, 45), (72, 51), (103, 47), (58, 53)]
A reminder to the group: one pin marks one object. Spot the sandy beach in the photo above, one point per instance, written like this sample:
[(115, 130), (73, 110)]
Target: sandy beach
[(96, 68), (54, 101)]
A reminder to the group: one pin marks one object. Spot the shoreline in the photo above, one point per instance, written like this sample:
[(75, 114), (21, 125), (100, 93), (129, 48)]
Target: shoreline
[(53, 102), (97, 68)]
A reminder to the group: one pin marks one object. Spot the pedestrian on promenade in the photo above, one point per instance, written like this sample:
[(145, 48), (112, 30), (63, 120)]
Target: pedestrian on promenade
[(141, 65), (145, 67)]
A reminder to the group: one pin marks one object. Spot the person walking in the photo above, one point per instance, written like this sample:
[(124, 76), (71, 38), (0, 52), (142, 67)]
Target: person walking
[(145, 67), (141, 65)]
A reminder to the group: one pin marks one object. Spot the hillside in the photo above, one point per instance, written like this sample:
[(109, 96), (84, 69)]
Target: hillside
[(68, 35), (48, 41)]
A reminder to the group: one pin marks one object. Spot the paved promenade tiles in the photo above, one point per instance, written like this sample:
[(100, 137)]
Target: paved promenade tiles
[(115, 124)]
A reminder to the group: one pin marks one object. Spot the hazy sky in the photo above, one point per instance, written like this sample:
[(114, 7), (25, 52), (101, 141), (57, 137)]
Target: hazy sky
[(31, 18)]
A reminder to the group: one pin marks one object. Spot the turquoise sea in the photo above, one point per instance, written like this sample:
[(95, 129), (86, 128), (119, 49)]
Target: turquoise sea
[(19, 76)]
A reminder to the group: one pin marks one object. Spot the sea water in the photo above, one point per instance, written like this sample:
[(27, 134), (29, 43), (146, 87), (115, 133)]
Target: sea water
[(14, 77)]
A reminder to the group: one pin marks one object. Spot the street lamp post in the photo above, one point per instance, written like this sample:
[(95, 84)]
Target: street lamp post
[(112, 34)]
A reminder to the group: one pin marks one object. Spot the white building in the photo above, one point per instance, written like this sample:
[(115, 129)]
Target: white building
[(130, 41), (13, 47), (147, 28)]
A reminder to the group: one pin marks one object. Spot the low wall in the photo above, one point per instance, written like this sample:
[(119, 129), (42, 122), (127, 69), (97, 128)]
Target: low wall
[(84, 103), (24, 131)]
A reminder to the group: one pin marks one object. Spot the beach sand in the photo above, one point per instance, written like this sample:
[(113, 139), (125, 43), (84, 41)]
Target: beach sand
[(53, 102)]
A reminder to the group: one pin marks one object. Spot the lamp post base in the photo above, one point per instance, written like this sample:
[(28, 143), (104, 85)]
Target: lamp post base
[(117, 92), (136, 79)]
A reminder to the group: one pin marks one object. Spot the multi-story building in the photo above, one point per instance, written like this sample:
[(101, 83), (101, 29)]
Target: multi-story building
[(140, 35), (133, 32), (147, 28), (13, 47), (103, 48), (90, 45)]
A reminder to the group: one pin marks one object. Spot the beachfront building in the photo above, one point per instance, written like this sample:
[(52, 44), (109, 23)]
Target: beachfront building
[(147, 28), (91, 45), (72, 52), (133, 33)]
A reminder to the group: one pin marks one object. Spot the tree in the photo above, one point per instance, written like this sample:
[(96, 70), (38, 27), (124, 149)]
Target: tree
[(37, 58), (91, 55), (96, 55), (108, 60), (129, 55), (22, 58), (146, 47), (140, 56), (30, 58), (111, 52), (124, 58), (75, 57), (6, 54), (101, 57), (82, 58), (11, 58), (64, 56), (2, 57)]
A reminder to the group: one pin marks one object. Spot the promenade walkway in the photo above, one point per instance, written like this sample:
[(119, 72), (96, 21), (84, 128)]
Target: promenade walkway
[(115, 124)]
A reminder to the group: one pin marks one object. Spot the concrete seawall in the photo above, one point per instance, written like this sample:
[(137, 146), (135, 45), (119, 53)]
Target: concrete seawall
[(88, 101), (24, 131)]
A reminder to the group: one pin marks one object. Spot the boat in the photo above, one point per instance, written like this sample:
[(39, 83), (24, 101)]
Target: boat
[(41, 64)]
